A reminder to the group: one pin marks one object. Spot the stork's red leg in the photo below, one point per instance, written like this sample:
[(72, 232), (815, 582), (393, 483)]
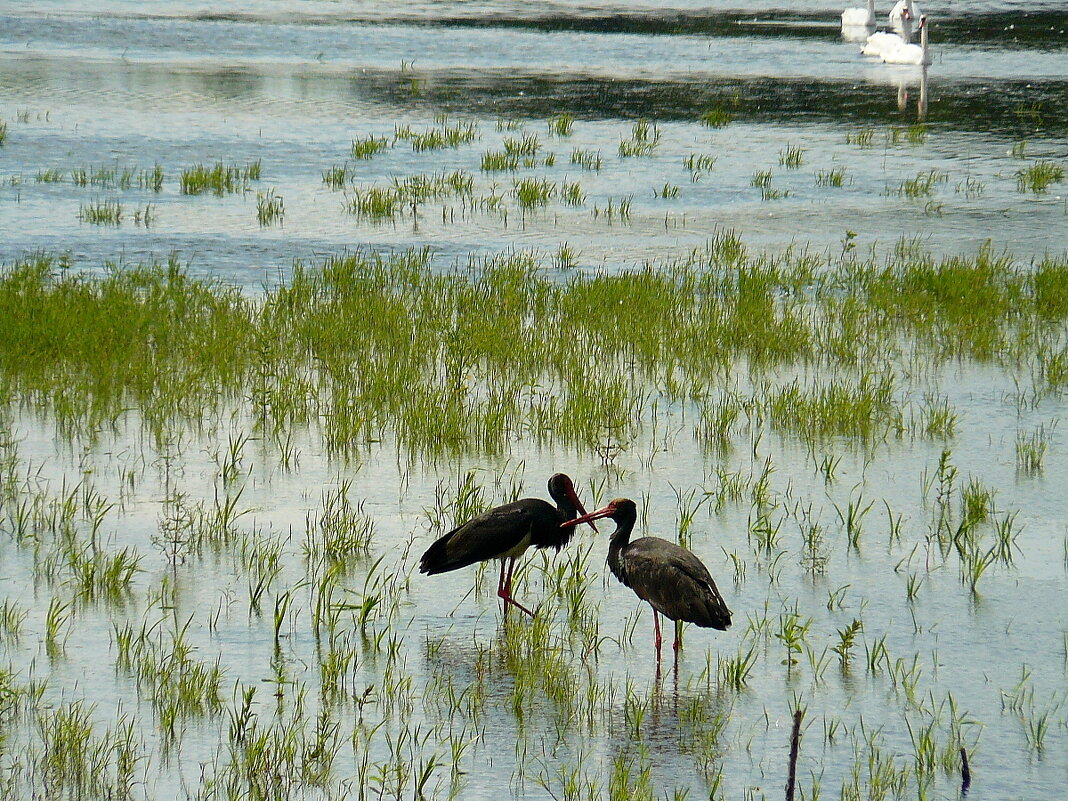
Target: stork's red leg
[(656, 630), (505, 591)]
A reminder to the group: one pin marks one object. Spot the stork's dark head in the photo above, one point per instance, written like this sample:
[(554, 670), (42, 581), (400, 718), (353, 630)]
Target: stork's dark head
[(560, 488)]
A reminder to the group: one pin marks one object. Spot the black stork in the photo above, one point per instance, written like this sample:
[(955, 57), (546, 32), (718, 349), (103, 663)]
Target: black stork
[(505, 532), (671, 579)]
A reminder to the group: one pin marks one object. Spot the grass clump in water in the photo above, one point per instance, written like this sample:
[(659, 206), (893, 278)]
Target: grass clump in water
[(369, 147), (445, 135), (833, 177), (923, 184), (587, 159), (336, 177), (498, 161), (865, 137), (698, 163), (533, 193), (717, 118), (101, 212), (571, 193), (528, 146), (1039, 177), (762, 180), (3, 132), (792, 157), (561, 124), (270, 208), (49, 176), (644, 138), (219, 179)]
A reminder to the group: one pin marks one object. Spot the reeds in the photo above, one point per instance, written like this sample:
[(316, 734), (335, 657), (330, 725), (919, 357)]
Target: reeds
[(101, 212), (644, 139), (220, 179), (1039, 177), (270, 208)]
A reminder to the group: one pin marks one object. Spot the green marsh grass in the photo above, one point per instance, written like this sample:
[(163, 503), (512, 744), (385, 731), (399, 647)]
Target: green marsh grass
[(446, 134), (49, 176), (698, 163), (532, 193), (499, 162), (562, 124), (571, 193), (792, 157), (1039, 177), (101, 212), (336, 177), (923, 184), (369, 146), (865, 137), (220, 179), (644, 139), (834, 177), (717, 118), (586, 159), (270, 208), (3, 132), (529, 145)]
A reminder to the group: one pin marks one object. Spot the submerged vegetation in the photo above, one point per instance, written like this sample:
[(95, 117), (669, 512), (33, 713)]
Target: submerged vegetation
[(478, 371)]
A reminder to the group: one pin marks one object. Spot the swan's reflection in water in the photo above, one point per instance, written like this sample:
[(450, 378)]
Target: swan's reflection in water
[(905, 84)]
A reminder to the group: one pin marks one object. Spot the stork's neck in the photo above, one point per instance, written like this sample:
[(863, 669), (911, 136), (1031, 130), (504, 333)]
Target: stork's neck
[(620, 540)]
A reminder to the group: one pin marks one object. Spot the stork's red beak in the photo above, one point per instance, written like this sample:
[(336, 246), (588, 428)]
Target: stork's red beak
[(573, 497), (589, 518)]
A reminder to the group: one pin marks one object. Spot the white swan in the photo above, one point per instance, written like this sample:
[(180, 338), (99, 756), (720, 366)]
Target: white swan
[(860, 17), (902, 15), (911, 53), (883, 42)]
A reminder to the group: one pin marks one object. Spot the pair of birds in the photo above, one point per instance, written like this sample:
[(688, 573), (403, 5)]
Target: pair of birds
[(892, 47), (670, 578)]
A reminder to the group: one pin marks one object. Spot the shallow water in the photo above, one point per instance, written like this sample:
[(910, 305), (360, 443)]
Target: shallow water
[(292, 84)]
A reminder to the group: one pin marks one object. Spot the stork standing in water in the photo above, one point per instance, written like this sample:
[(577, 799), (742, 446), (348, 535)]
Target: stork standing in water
[(671, 579), (505, 532)]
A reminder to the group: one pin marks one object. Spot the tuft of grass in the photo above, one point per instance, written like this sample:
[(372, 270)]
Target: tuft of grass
[(699, 162), (792, 157), (219, 179), (369, 147), (336, 177), (270, 208), (571, 193), (3, 132), (717, 118), (447, 134), (49, 176), (101, 212), (666, 191), (644, 138), (833, 177), (498, 161), (1039, 177), (586, 159), (865, 137), (923, 184), (533, 192), (762, 180), (561, 124), (151, 179)]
